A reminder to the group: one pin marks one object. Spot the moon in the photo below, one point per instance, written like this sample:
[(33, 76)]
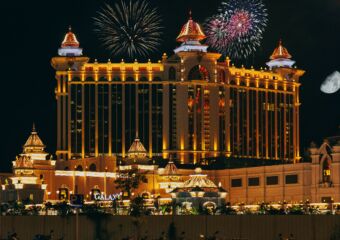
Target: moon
[(331, 83)]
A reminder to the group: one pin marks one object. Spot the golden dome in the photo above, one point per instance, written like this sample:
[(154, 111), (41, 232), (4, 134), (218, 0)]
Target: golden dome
[(34, 143), (280, 52), (191, 31), (70, 39)]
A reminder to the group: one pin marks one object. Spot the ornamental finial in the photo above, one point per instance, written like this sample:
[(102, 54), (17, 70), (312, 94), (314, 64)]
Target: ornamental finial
[(33, 128)]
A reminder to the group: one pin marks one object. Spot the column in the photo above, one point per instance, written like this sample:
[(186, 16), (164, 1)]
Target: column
[(275, 126), (110, 119), (83, 120), (123, 120), (257, 123), (69, 121), (248, 121), (96, 120), (227, 119), (267, 125), (150, 119)]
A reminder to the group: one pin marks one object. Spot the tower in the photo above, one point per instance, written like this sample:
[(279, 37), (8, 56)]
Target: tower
[(31, 172), (193, 123), (282, 64), (70, 57), (190, 37), (280, 58)]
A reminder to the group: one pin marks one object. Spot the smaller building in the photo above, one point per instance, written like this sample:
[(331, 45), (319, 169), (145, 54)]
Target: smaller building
[(199, 192), (28, 181)]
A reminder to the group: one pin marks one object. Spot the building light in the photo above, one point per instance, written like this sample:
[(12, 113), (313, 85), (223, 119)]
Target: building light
[(19, 186)]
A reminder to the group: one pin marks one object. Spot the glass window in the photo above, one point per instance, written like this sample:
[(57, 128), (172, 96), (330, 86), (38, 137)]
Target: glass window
[(291, 179), (272, 180), (236, 182), (253, 181)]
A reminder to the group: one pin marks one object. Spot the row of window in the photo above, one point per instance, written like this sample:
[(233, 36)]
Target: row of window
[(270, 180)]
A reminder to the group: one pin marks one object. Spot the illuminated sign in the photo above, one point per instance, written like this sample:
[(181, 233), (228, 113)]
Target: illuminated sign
[(103, 197)]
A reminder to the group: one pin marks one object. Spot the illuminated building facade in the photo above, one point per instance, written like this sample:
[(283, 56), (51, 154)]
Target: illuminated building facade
[(189, 105), (113, 117)]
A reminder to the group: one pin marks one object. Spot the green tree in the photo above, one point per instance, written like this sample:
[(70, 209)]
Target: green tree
[(129, 181)]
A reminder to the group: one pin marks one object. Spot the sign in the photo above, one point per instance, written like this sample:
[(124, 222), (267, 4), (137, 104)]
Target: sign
[(77, 200), (103, 197)]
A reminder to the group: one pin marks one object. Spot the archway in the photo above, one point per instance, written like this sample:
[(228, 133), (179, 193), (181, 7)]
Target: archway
[(199, 72)]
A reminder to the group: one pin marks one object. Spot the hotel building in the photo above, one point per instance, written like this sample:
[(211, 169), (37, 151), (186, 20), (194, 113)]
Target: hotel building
[(190, 105)]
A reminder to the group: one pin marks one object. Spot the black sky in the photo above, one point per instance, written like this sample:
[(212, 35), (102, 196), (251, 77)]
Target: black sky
[(31, 32)]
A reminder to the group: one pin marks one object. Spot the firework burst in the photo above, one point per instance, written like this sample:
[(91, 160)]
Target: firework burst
[(241, 23), (216, 31), (132, 28)]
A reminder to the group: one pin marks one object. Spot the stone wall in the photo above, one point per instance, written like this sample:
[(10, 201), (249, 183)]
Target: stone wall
[(311, 227)]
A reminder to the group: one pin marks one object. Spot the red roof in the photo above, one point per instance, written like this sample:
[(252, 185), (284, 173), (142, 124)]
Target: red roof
[(191, 31), (70, 39), (280, 52)]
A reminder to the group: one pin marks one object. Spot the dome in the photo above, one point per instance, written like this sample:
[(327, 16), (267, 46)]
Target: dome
[(170, 169), (137, 149), (191, 31), (199, 180), (34, 143), (280, 52), (70, 40)]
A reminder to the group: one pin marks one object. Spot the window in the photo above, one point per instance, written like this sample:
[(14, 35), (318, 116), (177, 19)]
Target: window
[(93, 167), (272, 180), (326, 171), (326, 199), (236, 182), (253, 181), (79, 168), (172, 73), (291, 179)]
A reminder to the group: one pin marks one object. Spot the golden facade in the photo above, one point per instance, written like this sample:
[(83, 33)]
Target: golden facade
[(191, 105)]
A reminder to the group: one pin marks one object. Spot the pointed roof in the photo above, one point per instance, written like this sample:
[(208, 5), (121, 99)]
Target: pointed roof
[(170, 169), (191, 30), (280, 52), (199, 180), (137, 149), (34, 143), (70, 40)]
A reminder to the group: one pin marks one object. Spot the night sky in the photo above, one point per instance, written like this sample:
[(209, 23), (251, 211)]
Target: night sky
[(31, 32)]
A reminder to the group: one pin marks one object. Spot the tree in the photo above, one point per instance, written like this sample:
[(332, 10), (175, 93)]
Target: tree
[(129, 181)]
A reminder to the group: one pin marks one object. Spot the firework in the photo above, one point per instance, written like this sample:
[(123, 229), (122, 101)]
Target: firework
[(242, 23), (216, 31), (132, 28)]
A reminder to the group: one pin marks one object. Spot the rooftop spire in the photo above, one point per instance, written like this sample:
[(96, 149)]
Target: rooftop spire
[(34, 143), (280, 52), (70, 39), (137, 149), (280, 57), (70, 45), (191, 31), (33, 128)]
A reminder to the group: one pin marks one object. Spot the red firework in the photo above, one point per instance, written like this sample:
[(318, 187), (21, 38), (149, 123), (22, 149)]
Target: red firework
[(240, 24)]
